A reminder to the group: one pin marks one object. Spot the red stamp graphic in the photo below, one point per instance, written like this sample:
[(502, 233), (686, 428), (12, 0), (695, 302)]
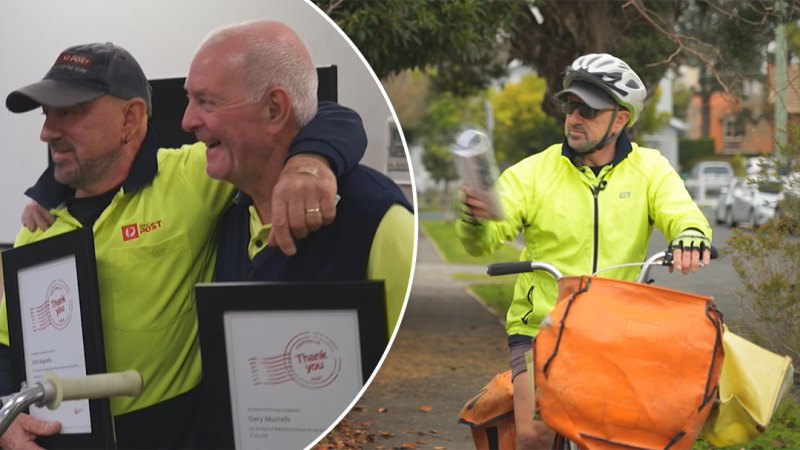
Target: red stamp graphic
[(311, 360), (56, 311)]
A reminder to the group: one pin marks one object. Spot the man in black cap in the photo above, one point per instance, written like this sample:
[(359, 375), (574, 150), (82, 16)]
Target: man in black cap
[(587, 203), (153, 213)]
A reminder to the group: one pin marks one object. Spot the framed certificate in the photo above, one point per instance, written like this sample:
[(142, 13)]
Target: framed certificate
[(283, 361), (54, 326)]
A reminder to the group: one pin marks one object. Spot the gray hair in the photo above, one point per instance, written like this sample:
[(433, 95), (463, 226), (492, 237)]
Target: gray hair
[(273, 56)]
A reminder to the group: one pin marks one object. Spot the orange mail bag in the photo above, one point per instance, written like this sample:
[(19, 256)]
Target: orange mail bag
[(627, 365), (490, 414)]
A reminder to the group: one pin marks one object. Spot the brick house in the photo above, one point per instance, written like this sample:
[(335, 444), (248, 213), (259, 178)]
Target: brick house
[(744, 125)]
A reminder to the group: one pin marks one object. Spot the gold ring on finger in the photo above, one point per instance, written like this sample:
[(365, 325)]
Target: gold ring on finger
[(312, 210)]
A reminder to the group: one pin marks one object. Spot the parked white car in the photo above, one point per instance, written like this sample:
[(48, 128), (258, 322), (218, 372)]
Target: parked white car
[(725, 200), (743, 202), (707, 179), (758, 166)]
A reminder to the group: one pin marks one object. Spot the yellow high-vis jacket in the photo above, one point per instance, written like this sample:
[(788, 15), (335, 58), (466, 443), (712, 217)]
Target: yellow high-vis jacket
[(580, 221), (152, 245)]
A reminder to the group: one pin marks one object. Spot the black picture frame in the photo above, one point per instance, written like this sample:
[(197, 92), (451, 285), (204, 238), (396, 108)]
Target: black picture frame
[(215, 299), (79, 244)]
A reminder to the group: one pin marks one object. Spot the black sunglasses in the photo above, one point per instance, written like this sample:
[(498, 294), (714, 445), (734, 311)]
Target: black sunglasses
[(586, 111)]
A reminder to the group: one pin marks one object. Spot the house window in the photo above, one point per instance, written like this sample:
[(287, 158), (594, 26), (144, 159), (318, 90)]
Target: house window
[(732, 130), (732, 134)]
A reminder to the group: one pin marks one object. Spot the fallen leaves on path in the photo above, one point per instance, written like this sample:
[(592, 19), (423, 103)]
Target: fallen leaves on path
[(351, 434), (346, 436)]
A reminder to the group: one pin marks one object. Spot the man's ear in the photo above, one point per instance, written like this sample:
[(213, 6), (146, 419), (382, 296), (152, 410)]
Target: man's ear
[(622, 119), (278, 108), (133, 111)]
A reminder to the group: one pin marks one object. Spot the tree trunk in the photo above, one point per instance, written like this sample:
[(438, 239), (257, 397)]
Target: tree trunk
[(448, 215)]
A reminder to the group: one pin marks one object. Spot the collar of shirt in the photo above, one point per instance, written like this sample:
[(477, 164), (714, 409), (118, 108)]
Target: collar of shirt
[(259, 233), (621, 150)]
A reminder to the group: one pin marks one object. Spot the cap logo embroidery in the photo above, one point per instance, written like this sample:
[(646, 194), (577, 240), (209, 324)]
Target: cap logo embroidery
[(71, 58), (76, 63)]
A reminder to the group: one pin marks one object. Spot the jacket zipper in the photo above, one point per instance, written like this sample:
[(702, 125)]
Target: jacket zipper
[(596, 193)]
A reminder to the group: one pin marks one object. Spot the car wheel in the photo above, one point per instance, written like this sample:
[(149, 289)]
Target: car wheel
[(729, 218), (717, 218)]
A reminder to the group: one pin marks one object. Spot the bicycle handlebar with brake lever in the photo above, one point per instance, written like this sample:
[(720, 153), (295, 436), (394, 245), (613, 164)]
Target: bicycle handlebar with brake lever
[(509, 268)]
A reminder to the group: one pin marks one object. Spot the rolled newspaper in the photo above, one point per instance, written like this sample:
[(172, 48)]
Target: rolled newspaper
[(476, 165)]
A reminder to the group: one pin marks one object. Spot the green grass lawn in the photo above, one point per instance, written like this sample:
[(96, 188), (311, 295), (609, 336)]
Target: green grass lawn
[(494, 292), (783, 431), (443, 237), (497, 296)]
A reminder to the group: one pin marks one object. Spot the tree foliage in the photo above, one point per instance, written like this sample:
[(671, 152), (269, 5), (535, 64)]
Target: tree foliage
[(767, 260), (447, 115), (410, 94), (726, 40), (573, 28), (521, 128), (651, 119), (463, 40), (793, 40), (469, 41)]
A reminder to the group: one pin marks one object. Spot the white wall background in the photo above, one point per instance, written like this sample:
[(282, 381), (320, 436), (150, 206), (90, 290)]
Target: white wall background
[(163, 36)]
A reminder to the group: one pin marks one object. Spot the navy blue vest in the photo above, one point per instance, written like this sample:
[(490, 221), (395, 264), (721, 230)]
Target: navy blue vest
[(337, 252)]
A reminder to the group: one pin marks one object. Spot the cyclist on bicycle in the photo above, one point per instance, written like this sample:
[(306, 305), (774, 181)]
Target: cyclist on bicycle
[(586, 203)]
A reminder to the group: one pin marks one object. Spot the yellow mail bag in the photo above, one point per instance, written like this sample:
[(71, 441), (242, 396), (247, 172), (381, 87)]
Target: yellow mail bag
[(752, 383)]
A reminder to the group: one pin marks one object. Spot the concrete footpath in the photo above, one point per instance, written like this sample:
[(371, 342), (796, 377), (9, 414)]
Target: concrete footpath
[(447, 348)]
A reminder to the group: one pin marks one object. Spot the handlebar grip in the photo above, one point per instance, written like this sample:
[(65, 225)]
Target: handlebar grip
[(93, 386), (714, 252), (508, 268)]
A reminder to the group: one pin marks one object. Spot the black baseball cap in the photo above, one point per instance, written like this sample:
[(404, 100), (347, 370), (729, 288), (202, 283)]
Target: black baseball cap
[(83, 73), (592, 95)]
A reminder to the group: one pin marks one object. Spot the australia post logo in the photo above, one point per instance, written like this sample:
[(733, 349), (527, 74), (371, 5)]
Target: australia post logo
[(134, 230)]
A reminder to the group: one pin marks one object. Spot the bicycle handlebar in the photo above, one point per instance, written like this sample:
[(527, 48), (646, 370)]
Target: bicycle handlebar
[(509, 268), (51, 391), (93, 386)]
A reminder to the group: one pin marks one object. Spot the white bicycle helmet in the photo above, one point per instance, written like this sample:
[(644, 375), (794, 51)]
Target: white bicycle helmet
[(612, 75)]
